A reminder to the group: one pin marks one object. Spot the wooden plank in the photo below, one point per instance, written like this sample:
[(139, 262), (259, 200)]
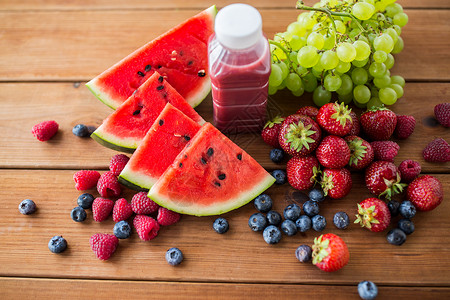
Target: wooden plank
[(78, 45), (239, 256), (13, 288), (25, 104)]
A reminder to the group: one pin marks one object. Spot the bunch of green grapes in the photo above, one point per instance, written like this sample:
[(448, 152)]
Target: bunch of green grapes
[(341, 46)]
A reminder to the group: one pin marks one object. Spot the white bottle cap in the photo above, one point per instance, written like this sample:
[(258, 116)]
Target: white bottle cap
[(238, 26)]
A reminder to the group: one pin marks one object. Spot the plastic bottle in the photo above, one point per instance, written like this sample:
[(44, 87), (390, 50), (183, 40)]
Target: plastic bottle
[(239, 66)]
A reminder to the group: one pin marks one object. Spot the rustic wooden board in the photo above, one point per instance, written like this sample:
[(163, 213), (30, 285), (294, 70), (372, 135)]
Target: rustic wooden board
[(25, 104), (239, 256), (13, 288), (78, 45)]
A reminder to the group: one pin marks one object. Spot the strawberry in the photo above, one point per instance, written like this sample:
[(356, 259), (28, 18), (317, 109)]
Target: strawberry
[(383, 179), (405, 126), (146, 227), (442, 113), (271, 131), (167, 217), (108, 185), (437, 150), (335, 118), (361, 152), (425, 192), (356, 125), (117, 163), (378, 123), (385, 150), (336, 183), (85, 179), (309, 111), (101, 209), (103, 245), (330, 253), (45, 130), (299, 135), (302, 171), (333, 152), (409, 170), (142, 204), (373, 214), (122, 210)]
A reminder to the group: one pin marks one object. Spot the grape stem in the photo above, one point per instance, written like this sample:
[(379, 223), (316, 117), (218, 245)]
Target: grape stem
[(283, 49)]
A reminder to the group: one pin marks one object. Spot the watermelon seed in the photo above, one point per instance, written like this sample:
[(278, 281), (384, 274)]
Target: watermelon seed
[(239, 156), (187, 138), (160, 87), (201, 73), (141, 74), (181, 53), (217, 183), (160, 79), (190, 63), (147, 68), (222, 176), (161, 122), (181, 165), (159, 66), (203, 161), (136, 112), (210, 152)]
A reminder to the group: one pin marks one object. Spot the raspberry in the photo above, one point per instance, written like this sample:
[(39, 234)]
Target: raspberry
[(101, 209), (405, 127), (103, 245), (437, 150), (409, 170), (146, 227), (85, 179), (108, 186), (442, 113), (122, 210), (117, 163), (143, 205), (45, 130), (385, 150), (167, 217)]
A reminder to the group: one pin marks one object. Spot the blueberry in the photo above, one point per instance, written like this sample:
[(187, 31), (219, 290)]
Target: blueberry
[(273, 218), (276, 155), (289, 227), (27, 207), (280, 176), (122, 230), (292, 212), (220, 225), (406, 225), (303, 223), (257, 222), (311, 208), (316, 195), (80, 130), (407, 209), (341, 220), (174, 256), (303, 253), (57, 244), (263, 203), (367, 290), (393, 207), (272, 235), (85, 200), (78, 214), (318, 222), (396, 237)]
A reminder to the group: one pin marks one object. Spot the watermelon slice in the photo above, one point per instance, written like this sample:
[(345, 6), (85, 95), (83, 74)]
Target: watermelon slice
[(168, 135), (180, 55), (211, 176), (125, 128)]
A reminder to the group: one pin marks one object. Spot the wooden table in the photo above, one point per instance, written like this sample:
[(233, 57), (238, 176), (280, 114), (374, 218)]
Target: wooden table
[(49, 49)]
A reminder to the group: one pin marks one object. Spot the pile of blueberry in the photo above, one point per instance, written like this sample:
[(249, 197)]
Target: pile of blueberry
[(405, 226)]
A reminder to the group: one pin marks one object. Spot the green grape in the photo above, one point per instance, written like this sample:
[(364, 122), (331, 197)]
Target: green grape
[(379, 56), (316, 40), (360, 63), (282, 85), (329, 41), (284, 69), (318, 67), (362, 38), (382, 82), (377, 69), (380, 6), (295, 28), (398, 90), (346, 52), (397, 79), (340, 26), (394, 35), (363, 10), (384, 43), (317, 73), (321, 96), (361, 94), (389, 62), (369, 1), (359, 105), (272, 90), (278, 53), (275, 77), (346, 99), (329, 60), (354, 33), (293, 82), (298, 92), (296, 43), (308, 22), (301, 17), (371, 37), (346, 85), (332, 82), (374, 91), (400, 19), (310, 82), (319, 28), (301, 71), (308, 56), (398, 47), (293, 58), (397, 29), (374, 102), (359, 76), (343, 67), (387, 96), (362, 50), (393, 9)]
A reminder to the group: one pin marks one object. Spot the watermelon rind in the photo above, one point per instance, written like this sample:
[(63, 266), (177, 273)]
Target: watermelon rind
[(112, 142), (103, 97), (126, 181)]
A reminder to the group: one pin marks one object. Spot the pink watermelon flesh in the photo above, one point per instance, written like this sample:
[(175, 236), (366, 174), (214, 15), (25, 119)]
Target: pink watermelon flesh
[(211, 176), (125, 128), (170, 132), (180, 55)]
